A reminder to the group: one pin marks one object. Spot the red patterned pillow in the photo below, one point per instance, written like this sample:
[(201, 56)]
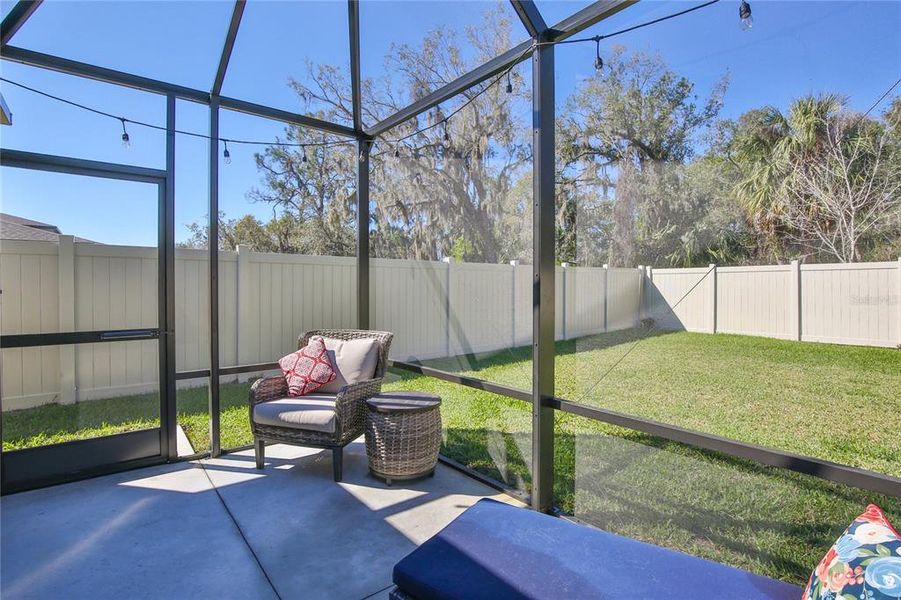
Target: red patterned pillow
[(308, 369)]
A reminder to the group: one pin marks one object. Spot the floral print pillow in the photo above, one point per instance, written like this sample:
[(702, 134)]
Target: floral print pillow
[(863, 564)]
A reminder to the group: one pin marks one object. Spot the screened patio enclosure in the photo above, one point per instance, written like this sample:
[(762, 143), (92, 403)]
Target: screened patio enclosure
[(505, 302)]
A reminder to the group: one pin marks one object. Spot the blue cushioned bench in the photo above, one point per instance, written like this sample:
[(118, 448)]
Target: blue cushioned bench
[(494, 550)]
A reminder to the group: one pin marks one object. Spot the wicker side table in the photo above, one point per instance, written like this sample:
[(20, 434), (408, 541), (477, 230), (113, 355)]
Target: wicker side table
[(403, 435)]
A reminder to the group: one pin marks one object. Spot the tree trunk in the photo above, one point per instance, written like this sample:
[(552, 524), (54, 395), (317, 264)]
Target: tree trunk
[(622, 250)]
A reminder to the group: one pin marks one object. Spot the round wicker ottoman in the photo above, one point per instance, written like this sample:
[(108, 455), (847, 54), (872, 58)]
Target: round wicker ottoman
[(403, 435)]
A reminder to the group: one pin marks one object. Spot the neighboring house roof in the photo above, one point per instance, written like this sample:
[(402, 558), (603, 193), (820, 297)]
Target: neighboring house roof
[(20, 228)]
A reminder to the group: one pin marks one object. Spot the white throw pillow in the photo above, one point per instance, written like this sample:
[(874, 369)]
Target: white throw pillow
[(353, 361)]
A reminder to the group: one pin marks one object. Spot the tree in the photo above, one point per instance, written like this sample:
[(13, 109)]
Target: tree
[(439, 195), (619, 132), (311, 190), (280, 234), (849, 196), (686, 216), (821, 180)]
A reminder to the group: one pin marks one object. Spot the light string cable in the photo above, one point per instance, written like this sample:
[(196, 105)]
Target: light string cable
[(124, 120), (396, 142), (598, 38), (882, 97)]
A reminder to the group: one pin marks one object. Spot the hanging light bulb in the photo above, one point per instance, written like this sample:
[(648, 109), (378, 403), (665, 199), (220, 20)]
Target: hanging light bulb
[(397, 152), (226, 155), (446, 134), (126, 141), (744, 13), (598, 61), (509, 84), (303, 156)]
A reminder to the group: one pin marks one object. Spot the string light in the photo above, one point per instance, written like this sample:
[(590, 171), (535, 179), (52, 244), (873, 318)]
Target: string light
[(226, 155), (744, 13), (599, 63), (126, 141), (440, 119)]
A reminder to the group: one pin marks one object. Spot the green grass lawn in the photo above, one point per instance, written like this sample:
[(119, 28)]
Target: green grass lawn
[(56, 423), (833, 402), (839, 403), (769, 521)]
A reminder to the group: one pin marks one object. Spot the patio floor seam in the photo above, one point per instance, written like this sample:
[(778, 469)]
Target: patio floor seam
[(240, 531)]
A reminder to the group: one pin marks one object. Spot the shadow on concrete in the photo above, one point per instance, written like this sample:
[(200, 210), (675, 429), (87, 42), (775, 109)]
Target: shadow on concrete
[(221, 528)]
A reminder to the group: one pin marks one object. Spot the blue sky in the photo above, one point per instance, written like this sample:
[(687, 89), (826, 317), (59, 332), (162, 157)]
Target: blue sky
[(795, 48)]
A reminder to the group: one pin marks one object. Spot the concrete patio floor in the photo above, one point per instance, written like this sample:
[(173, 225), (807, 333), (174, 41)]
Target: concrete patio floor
[(223, 529)]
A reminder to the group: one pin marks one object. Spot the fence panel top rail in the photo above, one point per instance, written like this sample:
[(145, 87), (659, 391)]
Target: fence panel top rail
[(850, 266), (681, 271), (750, 269), (407, 264), (28, 247)]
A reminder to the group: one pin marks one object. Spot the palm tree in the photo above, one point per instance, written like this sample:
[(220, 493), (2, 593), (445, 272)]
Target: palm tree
[(820, 180), (769, 146)]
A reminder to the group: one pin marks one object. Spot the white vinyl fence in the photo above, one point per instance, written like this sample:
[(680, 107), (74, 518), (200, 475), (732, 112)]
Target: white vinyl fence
[(857, 304), (435, 309)]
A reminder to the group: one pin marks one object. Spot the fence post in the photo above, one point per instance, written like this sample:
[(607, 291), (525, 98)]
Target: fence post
[(563, 307), (641, 282), (712, 268), (795, 299), (606, 293), (447, 260), (245, 325), (513, 264), (66, 275)]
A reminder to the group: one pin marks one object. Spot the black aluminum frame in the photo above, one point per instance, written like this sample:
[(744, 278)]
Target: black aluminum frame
[(17, 17), (543, 403), (56, 463), (543, 275)]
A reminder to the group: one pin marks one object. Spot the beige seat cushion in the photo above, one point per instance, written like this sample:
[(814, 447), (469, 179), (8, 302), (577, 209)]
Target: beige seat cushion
[(353, 360), (313, 411)]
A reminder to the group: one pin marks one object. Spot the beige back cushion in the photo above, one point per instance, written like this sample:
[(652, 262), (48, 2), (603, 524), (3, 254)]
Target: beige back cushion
[(354, 361)]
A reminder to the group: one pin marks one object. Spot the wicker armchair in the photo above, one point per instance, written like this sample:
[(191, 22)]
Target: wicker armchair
[(350, 404)]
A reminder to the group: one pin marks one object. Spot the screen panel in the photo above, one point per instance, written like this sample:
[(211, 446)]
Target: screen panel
[(286, 250), (769, 521), (485, 432), (55, 394), (451, 234), (697, 286)]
